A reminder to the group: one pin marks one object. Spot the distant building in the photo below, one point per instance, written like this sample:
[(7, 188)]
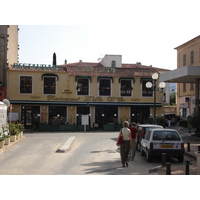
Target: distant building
[(187, 76), (8, 53)]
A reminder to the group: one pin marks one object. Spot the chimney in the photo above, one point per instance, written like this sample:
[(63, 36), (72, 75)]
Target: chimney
[(54, 59)]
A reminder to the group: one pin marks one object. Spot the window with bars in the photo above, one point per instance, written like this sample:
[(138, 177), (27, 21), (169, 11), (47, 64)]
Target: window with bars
[(126, 88), (146, 92), (49, 84), (25, 84), (83, 86), (104, 87)]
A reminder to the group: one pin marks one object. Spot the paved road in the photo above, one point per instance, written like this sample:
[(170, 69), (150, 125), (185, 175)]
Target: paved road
[(91, 153)]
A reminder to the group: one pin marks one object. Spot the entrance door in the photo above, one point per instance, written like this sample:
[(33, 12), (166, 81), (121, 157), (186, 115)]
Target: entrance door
[(140, 114), (30, 116), (106, 115)]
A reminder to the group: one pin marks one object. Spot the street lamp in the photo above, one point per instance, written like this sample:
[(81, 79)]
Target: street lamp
[(155, 88)]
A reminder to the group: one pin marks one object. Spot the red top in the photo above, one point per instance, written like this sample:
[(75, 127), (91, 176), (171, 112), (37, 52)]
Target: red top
[(133, 132)]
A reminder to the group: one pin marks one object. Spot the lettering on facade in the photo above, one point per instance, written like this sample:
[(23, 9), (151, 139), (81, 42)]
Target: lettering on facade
[(66, 91), (35, 66), (90, 69), (135, 99), (92, 98), (53, 98), (118, 99), (35, 97)]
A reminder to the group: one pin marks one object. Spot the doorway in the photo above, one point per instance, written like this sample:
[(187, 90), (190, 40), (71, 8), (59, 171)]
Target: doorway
[(30, 116), (106, 115)]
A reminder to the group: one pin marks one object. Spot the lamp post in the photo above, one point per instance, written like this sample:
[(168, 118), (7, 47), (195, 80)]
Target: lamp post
[(155, 89)]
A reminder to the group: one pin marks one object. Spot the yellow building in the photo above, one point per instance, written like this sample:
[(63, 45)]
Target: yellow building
[(187, 77), (66, 97), (188, 54)]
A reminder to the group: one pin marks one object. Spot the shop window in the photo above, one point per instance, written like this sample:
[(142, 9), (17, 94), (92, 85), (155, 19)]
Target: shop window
[(126, 88), (49, 85), (57, 115), (146, 92), (25, 84), (104, 87), (83, 86)]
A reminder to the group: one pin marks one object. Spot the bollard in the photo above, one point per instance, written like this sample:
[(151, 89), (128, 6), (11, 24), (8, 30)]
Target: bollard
[(187, 167), (163, 159), (188, 146), (168, 169)]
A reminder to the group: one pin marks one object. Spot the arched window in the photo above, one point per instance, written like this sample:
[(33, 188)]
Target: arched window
[(113, 64)]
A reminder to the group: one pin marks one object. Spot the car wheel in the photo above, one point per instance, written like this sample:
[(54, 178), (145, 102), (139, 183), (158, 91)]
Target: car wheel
[(148, 157), (181, 158)]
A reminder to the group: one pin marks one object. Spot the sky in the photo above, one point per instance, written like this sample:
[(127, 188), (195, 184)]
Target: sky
[(141, 31)]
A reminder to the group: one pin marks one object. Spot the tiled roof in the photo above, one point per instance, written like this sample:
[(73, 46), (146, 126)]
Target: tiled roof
[(94, 69), (97, 69)]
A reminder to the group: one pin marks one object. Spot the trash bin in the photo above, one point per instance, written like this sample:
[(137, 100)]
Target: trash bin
[(198, 162)]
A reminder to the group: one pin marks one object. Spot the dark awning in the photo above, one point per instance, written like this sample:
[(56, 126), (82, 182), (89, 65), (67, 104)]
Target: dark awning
[(108, 77), (76, 77), (83, 103), (126, 78), (49, 74)]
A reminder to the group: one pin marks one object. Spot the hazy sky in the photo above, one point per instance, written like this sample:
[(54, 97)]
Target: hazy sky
[(145, 31)]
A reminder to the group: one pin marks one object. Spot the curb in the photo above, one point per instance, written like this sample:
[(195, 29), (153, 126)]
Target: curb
[(10, 145), (66, 145), (191, 155)]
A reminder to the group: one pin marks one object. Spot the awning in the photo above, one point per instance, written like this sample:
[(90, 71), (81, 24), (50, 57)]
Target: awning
[(48, 74), (84, 103), (76, 77), (105, 77), (126, 78), (187, 74), (146, 79)]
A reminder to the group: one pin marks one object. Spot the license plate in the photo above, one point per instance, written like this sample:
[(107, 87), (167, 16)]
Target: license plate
[(166, 146)]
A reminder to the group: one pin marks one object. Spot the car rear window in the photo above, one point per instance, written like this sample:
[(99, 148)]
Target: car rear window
[(165, 135)]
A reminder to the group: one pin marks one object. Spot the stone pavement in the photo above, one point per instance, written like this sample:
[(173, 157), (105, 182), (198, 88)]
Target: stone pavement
[(191, 141)]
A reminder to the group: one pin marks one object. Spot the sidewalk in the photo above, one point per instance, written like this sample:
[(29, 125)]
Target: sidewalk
[(191, 141)]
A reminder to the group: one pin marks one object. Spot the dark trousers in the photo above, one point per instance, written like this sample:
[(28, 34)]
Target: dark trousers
[(124, 151)]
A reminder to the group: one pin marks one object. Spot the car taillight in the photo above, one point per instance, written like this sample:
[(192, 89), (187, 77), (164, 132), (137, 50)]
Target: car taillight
[(151, 145), (182, 145)]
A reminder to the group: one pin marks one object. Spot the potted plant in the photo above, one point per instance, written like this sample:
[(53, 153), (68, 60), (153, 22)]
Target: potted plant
[(5, 136), (2, 141), (14, 131), (21, 129), (7, 139)]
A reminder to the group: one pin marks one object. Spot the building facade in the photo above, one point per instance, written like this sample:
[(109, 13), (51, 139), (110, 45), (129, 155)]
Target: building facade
[(188, 54), (68, 96), (8, 53)]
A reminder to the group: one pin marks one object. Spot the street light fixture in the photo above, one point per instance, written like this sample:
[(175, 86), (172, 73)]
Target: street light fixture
[(155, 88)]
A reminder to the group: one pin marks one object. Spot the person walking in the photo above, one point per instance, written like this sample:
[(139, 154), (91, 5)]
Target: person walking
[(134, 135), (127, 143)]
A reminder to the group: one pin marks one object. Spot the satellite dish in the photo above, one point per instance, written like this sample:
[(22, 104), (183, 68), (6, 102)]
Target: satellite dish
[(7, 102)]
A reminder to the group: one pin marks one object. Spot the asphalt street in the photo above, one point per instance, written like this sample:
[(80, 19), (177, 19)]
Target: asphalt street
[(91, 153)]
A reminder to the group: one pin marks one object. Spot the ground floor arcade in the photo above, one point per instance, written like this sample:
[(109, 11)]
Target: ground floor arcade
[(64, 116)]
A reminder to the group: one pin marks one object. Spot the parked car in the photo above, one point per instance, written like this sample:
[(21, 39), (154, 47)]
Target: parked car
[(158, 141), (142, 129)]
